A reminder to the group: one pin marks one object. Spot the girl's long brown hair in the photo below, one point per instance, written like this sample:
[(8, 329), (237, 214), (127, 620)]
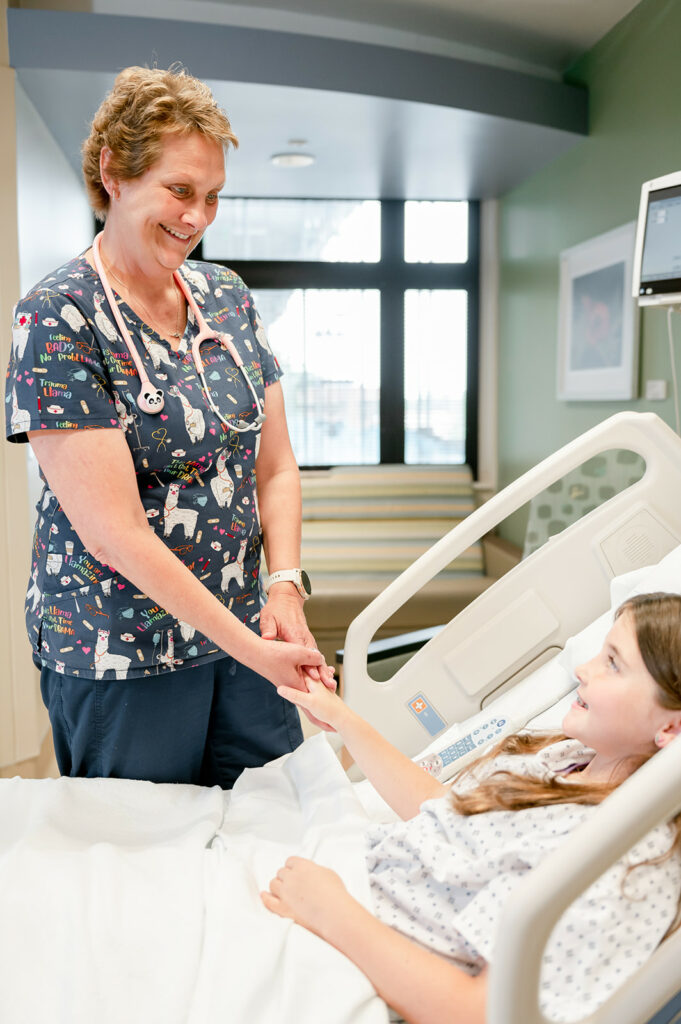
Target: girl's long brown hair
[(657, 624)]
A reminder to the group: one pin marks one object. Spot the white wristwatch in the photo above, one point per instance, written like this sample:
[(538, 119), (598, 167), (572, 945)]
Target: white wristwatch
[(298, 577)]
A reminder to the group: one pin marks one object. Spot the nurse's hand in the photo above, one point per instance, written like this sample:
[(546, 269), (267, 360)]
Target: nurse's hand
[(286, 665), (283, 618)]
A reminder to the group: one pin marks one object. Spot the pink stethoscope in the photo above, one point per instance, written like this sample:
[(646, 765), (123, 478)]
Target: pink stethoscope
[(150, 398)]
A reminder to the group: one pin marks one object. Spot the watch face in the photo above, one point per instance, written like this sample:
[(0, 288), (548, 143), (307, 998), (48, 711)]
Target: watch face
[(305, 580)]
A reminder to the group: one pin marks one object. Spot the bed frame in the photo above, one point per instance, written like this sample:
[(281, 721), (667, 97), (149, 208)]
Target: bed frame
[(524, 619), (508, 632)]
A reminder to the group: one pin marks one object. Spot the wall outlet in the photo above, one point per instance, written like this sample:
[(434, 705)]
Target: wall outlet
[(656, 390)]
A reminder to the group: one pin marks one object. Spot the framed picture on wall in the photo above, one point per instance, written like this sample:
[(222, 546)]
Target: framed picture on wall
[(598, 319)]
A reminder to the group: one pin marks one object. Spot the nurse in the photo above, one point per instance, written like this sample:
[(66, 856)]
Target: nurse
[(167, 470)]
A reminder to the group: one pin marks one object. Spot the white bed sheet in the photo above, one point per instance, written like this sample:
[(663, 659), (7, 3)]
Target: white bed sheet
[(132, 902)]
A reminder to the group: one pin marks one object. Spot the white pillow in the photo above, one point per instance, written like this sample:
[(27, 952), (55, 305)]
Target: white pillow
[(541, 699), (665, 577)]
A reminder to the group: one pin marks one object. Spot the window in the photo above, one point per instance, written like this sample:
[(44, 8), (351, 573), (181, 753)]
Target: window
[(435, 232), (435, 382), (371, 309), (326, 341), (330, 231)]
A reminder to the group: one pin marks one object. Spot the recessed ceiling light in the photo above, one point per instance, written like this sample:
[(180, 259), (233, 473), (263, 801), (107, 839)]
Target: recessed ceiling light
[(292, 159)]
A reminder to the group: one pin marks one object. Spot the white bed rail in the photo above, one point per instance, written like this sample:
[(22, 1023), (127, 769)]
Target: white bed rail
[(650, 796), (526, 617)]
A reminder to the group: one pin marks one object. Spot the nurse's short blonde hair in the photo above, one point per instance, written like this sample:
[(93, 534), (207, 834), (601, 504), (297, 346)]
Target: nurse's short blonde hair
[(144, 106)]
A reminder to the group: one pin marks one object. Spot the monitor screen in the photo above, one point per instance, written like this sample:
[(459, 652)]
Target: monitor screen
[(657, 264)]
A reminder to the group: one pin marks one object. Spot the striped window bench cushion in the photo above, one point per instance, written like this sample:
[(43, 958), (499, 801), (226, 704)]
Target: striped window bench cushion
[(374, 521)]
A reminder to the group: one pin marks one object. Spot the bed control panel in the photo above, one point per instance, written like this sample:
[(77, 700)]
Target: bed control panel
[(485, 734)]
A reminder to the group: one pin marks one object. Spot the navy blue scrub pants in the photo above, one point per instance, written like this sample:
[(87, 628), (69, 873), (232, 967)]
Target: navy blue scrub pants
[(202, 725)]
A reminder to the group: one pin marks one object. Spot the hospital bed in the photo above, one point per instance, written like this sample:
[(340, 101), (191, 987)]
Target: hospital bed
[(506, 662), (150, 893)]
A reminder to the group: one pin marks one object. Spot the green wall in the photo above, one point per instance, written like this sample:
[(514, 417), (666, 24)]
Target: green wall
[(634, 80)]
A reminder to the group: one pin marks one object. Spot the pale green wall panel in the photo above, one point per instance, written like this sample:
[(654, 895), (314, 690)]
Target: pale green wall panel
[(634, 81)]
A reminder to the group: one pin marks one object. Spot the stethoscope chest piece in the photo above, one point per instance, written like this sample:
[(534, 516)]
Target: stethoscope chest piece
[(150, 399)]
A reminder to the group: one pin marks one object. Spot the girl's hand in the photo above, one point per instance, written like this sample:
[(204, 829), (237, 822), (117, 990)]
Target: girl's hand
[(311, 895), (317, 701)]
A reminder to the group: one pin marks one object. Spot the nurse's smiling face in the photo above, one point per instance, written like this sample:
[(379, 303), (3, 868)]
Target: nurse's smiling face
[(617, 711), (155, 220)]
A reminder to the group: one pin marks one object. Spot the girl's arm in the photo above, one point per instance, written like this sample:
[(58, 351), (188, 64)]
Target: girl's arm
[(401, 783), (421, 986)]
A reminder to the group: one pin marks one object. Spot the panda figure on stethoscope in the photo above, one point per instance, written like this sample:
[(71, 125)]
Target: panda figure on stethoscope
[(151, 398)]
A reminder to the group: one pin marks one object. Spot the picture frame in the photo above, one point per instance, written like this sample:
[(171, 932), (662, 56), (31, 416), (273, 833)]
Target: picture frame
[(598, 319)]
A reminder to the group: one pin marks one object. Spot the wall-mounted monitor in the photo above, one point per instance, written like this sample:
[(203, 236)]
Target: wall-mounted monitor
[(657, 254)]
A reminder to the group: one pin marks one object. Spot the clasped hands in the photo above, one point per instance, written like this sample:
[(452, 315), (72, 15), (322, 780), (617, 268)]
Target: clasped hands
[(282, 618)]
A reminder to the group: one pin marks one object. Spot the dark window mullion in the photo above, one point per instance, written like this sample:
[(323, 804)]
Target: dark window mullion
[(392, 375), (392, 333), (299, 274), (473, 353)]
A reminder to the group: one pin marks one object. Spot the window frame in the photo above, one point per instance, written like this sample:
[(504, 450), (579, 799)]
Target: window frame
[(391, 276)]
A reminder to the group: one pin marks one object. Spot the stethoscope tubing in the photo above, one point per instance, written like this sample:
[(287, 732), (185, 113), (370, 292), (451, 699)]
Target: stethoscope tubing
[(205, 333)]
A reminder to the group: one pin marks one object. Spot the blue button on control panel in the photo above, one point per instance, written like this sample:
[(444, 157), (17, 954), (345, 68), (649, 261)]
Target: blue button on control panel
[(480, 737)]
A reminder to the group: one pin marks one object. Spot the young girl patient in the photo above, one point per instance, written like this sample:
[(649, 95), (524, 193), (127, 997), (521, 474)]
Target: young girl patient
[(440, 877)]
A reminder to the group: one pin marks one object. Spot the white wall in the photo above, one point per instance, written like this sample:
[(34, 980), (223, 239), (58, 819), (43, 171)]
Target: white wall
[(55, 221), (42, 198), (54, 218), (22, 724)]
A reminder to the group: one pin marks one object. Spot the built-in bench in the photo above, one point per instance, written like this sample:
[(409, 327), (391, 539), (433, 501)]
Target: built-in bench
[(362, 526)]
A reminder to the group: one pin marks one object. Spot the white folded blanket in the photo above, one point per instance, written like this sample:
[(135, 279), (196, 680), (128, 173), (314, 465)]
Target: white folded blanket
[(125, 902)]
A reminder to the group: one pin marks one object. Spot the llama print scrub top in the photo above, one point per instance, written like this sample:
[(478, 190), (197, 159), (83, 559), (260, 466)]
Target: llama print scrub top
[(70, 370)]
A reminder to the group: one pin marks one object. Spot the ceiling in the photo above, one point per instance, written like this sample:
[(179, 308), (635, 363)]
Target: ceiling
[(547, 34), (429, 99)]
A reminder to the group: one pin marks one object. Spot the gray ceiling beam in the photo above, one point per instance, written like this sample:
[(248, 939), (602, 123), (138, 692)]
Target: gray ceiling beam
[(101, 42)]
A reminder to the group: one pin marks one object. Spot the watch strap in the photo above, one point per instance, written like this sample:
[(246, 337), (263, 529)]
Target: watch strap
[(298, 577)]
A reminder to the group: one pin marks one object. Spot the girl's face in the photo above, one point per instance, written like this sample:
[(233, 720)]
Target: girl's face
[(617, 712), (160, 216)]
